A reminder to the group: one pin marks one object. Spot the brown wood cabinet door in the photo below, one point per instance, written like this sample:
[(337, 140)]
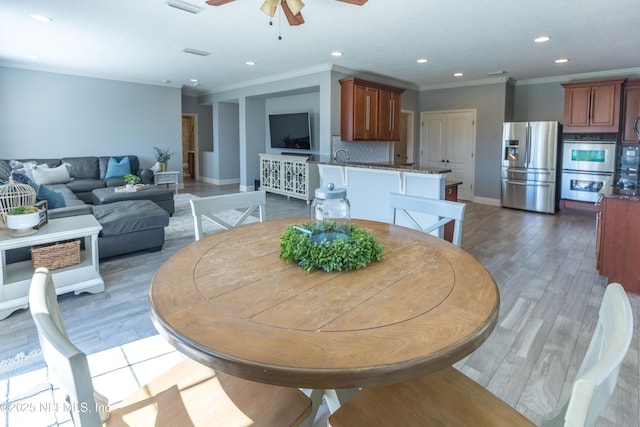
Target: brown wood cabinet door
[(451, 194), (577, 106), (619, 249), (384, 115), (395, 116), (389, 116), (631, 112), (365, 113), (603, 109)]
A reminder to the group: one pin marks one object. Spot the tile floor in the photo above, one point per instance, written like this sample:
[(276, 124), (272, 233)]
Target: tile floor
[(116, 372)]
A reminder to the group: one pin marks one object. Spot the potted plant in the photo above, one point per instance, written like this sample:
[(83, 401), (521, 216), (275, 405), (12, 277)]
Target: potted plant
[(23, 217), (131, 180), (162, 157)]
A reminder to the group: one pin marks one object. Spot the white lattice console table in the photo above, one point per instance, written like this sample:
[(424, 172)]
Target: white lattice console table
[(289, 175)]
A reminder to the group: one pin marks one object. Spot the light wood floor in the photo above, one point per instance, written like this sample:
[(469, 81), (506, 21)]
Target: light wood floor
[(543, 264)]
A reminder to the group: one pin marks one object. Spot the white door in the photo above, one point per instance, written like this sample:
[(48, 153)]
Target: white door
[(447, 140)]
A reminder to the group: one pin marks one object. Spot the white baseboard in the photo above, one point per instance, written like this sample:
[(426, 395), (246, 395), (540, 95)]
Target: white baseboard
[(487, 201), (219, 181)]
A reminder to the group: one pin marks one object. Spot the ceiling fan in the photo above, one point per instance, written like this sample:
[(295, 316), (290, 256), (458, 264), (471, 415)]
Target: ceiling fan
[(291, 8)]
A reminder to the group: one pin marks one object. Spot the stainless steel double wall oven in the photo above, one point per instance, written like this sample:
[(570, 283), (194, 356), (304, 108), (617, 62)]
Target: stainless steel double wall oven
[(588, 165)]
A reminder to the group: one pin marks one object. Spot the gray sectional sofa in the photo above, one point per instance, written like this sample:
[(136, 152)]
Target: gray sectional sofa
[(67, 184), (85, 175)]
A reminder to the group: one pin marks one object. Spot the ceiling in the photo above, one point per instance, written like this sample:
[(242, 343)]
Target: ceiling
[(143, 40)]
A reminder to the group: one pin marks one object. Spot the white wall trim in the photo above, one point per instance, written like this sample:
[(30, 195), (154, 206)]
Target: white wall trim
[(487, 201), (216, 181)]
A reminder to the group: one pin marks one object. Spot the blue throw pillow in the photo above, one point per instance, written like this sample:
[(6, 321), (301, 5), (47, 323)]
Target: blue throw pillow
[(54, 198), (117, 168)]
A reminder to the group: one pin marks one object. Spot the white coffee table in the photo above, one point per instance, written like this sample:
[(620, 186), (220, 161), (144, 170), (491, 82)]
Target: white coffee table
[(15, 278), (168, 177)]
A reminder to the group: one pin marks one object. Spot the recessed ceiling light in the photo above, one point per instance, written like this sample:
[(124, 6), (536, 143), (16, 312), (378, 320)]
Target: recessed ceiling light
[(422, 61), (542, 39), (336, 53), (193, 80), (250, 63), (41, 18), (561, 60), (458, 75), (33, 57)]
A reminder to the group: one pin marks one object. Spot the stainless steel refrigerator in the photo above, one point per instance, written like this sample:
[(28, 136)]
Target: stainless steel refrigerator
[(530, 165)]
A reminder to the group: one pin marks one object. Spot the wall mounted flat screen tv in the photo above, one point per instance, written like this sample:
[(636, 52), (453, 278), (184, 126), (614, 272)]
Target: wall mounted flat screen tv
[(290, 131)]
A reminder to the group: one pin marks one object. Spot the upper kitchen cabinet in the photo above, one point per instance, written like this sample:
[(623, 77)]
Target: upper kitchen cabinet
[(592, 106), (369, 111), (631, 113)]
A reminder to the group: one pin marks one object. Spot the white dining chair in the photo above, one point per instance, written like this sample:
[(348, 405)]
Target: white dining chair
[(188, 394), (417, 211), (210, 207), (448, 397)]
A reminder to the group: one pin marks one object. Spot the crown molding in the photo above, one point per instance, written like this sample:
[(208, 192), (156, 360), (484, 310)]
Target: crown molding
[(483, 82), (270, 79), (91, 75), (625, 72)]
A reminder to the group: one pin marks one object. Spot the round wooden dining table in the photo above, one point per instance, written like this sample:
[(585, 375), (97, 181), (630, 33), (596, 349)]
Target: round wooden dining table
[(230, 302)]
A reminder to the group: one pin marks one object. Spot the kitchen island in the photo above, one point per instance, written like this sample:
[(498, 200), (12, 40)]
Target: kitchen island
[(369, 184), (618, 236)]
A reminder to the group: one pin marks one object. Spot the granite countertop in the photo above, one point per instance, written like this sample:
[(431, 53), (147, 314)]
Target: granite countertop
[(616, 192), (385, 166)]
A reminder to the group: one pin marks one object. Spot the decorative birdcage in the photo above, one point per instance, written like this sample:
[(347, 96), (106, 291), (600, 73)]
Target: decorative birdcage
[(13, 195)]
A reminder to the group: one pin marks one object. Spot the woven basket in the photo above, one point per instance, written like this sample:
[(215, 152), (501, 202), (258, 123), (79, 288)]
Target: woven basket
[(56, 255)]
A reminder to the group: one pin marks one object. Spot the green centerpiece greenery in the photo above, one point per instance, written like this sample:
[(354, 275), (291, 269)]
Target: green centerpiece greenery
[(342, 254)]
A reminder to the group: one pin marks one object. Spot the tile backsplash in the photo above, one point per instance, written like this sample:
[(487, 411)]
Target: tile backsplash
[(364, 151)]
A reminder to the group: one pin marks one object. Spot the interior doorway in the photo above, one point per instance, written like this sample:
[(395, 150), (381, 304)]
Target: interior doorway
[(189, 146)]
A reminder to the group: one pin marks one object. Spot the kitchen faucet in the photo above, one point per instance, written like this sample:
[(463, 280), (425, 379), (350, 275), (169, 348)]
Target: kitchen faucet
[(335, 156)]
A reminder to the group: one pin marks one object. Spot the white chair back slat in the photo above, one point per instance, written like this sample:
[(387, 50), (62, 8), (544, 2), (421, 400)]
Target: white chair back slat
[(210, 207), (445, 211)]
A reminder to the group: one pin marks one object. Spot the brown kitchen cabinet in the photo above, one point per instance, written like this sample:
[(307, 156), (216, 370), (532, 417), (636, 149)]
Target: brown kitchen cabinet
[(451, 194), (631, 112), (617, 247), (592, 106), (369, 111), (389, 116)]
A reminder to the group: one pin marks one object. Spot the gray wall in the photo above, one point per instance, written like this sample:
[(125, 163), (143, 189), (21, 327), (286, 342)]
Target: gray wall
[(54, 115), (303, 103), (227, 149), (490, 102), (538, 102)]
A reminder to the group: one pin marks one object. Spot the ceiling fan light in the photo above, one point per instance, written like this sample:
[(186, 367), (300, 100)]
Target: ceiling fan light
[(295, 6), (270, 6)]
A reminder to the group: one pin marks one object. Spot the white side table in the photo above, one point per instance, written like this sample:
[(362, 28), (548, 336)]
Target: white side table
[(15, 278), (168, 177)]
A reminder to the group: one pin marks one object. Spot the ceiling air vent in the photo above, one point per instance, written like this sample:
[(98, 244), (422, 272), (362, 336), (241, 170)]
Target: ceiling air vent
[(496, 73), (183, 5), (196, 52)]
